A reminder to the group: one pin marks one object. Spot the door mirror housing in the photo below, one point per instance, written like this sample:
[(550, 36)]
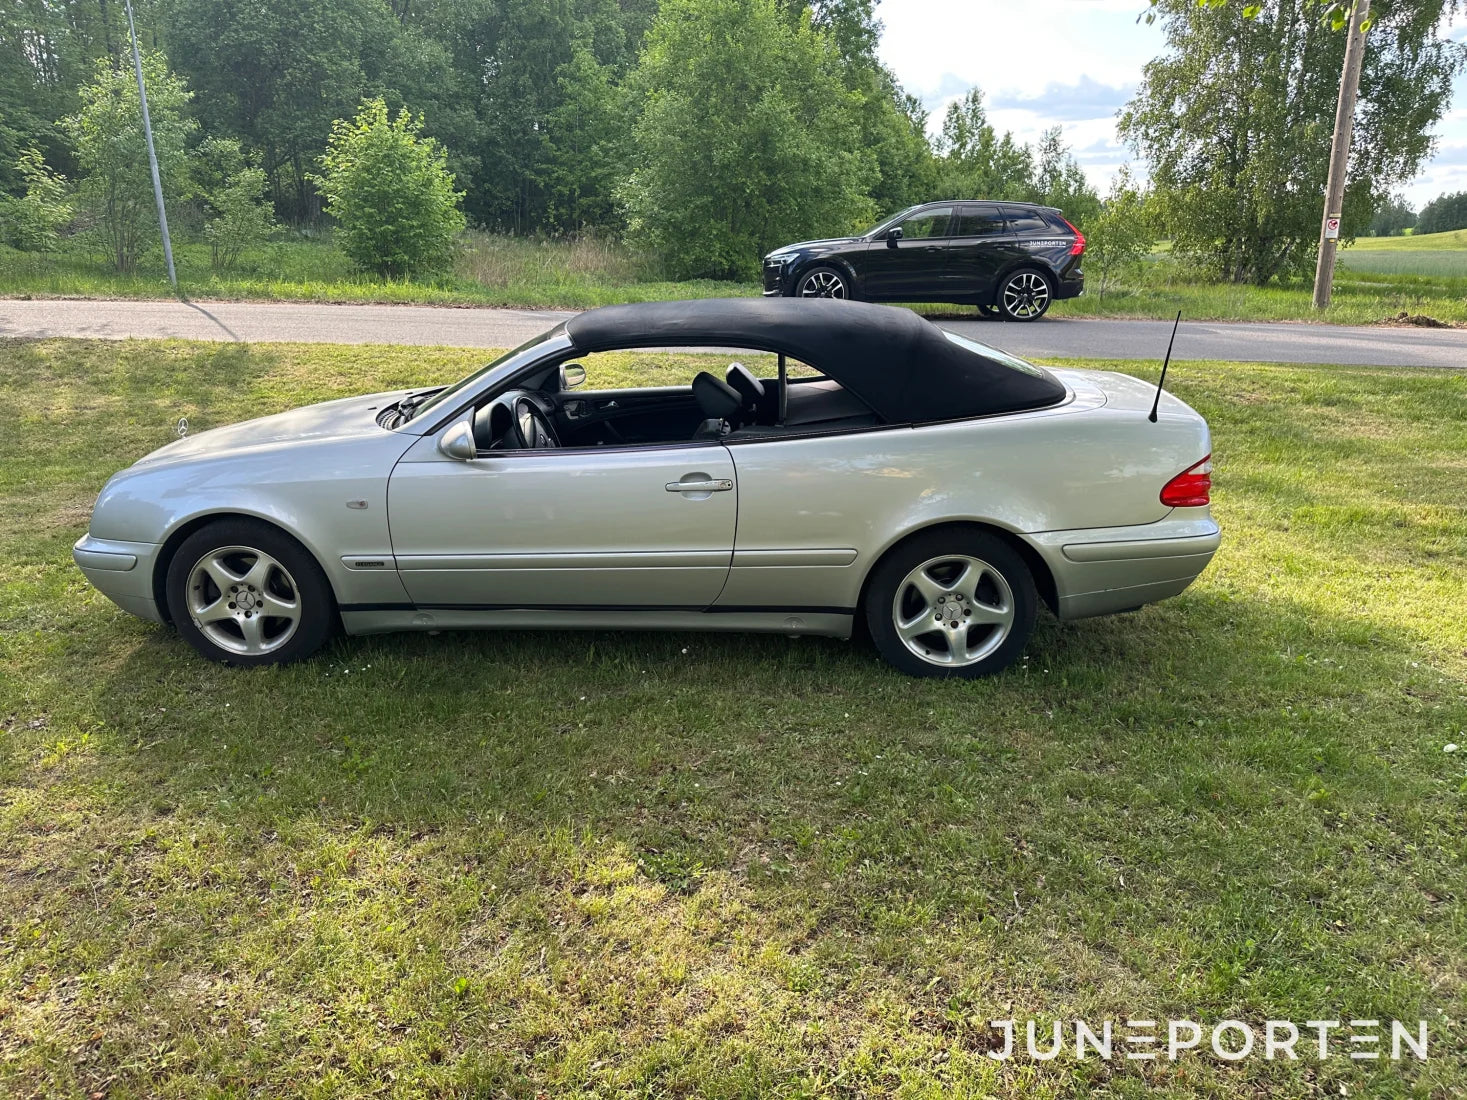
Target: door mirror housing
[(893, 235), (571, 375), (458, 442)]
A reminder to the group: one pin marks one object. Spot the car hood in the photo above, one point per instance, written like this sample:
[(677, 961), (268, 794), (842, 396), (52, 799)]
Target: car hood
[(331, 420), (814, 246)]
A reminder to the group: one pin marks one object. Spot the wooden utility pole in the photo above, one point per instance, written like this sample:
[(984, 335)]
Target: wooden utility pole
[(1339, 155)]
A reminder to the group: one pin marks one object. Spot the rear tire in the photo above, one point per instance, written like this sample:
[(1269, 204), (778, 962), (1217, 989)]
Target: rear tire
[(824, 282), (1025, 295), (953, 602), (245, 593)]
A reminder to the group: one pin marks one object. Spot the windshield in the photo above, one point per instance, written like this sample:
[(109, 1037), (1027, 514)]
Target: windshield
[(449, 391), (891, 221)]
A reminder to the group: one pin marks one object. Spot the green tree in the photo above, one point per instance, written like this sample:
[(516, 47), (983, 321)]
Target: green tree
[(748, 138), (1120, 234), (587, 149), (975, 162), (116, 188), (1235, 122), (1443, 213), (390, 191), (1393, 218), (1060, 181), (33, 221)]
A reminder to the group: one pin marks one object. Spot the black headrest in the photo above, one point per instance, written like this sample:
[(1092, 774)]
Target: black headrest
[(715, 397), (743, 380)]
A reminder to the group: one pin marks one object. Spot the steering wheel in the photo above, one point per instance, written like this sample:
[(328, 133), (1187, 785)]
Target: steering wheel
[(532, 430)]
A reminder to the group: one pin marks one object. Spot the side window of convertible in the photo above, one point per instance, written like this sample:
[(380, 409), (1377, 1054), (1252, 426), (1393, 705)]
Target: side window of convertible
[(650, 368)]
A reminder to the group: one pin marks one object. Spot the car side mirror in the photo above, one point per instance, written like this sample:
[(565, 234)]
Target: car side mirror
[(893, 235), (458, 442), (571, 375)]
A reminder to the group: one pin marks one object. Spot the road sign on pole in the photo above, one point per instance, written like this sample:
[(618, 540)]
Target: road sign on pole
[(137, 64)]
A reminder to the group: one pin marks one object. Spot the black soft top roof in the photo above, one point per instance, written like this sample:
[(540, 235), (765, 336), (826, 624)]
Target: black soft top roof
[(903, 367)]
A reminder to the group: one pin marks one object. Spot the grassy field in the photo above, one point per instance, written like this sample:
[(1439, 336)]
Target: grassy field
[(1372, 282), (658, 865), (490, 270)]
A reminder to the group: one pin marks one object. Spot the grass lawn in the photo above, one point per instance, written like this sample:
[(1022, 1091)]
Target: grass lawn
[(673, 865)]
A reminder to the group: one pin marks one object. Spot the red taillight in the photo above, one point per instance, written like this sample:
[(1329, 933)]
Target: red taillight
[(1192, 488), (1078, 248)]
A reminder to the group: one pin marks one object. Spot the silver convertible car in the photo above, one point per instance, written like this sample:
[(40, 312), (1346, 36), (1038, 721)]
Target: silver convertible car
[(869, 466)]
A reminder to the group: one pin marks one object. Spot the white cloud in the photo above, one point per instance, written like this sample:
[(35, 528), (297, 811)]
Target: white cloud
[(1073, 63)]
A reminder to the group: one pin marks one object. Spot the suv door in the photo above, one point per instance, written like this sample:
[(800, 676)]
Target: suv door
[(914, 266), (981, 246), (600, 527)]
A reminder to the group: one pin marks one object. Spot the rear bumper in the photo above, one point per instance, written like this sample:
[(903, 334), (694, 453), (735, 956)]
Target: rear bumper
[(1100, 571), (121, 571), (1071, 287)]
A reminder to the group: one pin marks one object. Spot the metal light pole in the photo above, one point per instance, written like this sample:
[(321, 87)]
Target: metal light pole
[(137, 64), (1339, 155)]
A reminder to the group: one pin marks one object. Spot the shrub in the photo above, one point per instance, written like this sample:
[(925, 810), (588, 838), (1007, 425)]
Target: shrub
[(391, 193), (243, 217), (33, 221), (1121, 234)]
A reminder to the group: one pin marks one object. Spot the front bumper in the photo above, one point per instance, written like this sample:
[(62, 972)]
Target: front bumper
[(121, 571), (1099, 571), (774, 278)]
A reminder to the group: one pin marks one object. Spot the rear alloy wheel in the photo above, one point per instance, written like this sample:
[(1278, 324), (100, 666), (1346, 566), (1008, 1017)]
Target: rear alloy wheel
[(1024, 296), (823, 282), (958, 603), (245, 593)]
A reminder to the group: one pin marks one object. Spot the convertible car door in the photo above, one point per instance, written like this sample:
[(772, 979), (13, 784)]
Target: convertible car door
[(604, 527)]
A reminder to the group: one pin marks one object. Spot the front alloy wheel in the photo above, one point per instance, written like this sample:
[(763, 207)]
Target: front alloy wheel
[(823, 283), (1025, 296), (243, 600), (951, 602), (244, 592)]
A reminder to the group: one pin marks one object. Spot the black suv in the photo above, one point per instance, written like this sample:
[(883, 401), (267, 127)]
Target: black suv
[(1011, 259)]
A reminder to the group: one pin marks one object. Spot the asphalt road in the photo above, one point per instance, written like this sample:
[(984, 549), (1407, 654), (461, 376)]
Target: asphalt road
[(429, 325)]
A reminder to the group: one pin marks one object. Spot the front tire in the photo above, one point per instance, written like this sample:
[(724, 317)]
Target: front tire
[(243, 592), (952, 603), (823, 282), (1025, 296)]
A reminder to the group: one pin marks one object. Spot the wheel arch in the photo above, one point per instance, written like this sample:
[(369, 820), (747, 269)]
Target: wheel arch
[(193, 524), (1029, 263), (1039, 569), (838, 263)]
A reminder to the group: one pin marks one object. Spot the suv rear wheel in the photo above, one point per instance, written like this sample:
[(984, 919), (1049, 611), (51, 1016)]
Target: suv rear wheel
[(1025, 296)]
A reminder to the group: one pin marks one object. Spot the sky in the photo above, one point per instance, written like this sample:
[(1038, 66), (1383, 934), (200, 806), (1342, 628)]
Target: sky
[(1077, 67)]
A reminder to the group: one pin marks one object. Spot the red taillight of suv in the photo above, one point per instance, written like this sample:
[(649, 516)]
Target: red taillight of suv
[(1078, 248), (1192, 488)]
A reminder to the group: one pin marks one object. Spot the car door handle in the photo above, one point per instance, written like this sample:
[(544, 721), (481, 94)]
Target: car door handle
[(716, 485)]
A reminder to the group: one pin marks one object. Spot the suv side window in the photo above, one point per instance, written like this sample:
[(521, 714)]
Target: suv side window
[(927, 223), (979, 221), (1022, 220)]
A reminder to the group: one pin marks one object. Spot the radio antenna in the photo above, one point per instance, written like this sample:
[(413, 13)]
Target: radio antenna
[(1164, 364)]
